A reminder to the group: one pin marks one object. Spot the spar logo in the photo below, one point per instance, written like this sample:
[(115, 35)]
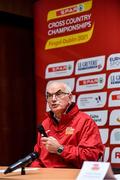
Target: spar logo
[(70, 10), (115, 155), (114, 80), (100, 117), (115, 136), (115, 117), (59, 69), (88, 83), (114, 99), (113, 61), (93, 64)]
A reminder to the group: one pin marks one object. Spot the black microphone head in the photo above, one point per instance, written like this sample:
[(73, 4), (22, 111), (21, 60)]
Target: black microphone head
[(42, 130), (34, 155), (22, 162)]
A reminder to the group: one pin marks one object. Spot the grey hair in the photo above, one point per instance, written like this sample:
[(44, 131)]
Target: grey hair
[(67, 87)]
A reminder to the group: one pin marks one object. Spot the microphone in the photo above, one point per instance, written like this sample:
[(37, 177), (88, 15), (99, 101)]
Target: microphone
[(42, 130), (22, 162)]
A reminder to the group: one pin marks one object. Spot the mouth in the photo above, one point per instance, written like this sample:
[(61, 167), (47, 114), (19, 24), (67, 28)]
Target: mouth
[(55, 105)]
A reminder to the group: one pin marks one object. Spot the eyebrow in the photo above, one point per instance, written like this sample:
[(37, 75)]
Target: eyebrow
[(55, 92)]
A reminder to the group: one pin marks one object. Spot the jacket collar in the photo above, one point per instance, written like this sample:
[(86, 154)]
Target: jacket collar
[(66, 117)]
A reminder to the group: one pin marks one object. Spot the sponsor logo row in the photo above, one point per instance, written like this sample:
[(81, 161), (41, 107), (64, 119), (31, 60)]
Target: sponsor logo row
[(101, 117), (93, 100), (94, 82), (98, 100), (114, 136), (83, 66)]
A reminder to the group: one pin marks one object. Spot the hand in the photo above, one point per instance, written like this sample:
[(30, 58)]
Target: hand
[(51, 144)]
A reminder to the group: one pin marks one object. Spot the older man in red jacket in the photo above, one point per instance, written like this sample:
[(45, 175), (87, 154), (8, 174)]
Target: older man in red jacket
[(73, 137)]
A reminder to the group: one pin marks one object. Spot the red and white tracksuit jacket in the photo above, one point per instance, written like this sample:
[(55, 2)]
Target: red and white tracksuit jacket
[(79, 135)]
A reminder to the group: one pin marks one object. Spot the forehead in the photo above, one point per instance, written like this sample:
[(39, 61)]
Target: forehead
[(54, 87)]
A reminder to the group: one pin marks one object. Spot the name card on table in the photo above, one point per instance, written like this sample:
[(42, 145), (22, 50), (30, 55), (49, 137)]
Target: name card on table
[(92, 170)]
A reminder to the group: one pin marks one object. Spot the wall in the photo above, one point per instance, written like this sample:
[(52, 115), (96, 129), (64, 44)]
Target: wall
[(19, 7), (17, 83)]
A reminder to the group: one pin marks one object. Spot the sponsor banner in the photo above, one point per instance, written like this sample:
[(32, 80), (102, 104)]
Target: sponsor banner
[(65, 35), (100, 117), (70, 82), (59, 69), (106, 154), (114, 80), (93, 100), (69, 10), (115, 118), (115, 136), (88, 83), (104, 135), (115, 155), (113, 61), (70, 25), (90, 65), (114, 99)]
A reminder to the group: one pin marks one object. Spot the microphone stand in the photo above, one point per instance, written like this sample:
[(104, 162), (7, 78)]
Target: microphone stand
[(23, 171)]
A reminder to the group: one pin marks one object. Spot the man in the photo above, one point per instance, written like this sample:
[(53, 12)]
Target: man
[(73, 137)]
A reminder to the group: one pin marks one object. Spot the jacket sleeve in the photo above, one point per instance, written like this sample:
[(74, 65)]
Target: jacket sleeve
[(89, 146)]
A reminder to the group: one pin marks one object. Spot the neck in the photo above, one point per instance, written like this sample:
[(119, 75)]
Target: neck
[(58, 116)]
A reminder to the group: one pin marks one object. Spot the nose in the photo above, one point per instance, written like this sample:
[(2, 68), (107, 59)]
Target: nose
[(53, 97)]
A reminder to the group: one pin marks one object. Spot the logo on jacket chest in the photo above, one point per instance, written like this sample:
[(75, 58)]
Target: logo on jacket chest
[(69, 130)]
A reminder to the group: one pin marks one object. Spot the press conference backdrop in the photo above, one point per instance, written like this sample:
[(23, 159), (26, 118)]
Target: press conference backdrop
[(77, 42)]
